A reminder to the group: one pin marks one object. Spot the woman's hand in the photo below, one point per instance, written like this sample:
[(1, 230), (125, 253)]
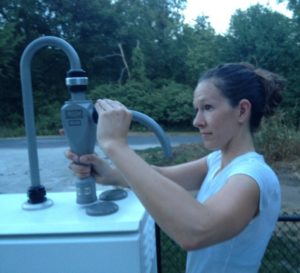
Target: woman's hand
[(113, 123), (90, 164)]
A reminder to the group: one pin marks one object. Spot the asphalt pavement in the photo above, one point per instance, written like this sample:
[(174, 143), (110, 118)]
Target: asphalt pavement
[(135, 140), (53, 166)]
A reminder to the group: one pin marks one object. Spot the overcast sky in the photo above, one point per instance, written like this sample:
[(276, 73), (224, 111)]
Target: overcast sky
[(220, 12)]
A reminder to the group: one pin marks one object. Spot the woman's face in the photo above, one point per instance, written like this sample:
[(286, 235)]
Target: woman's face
[(215, 118)]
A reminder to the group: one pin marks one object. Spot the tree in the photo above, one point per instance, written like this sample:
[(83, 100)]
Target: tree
[(294, 6), (155, 24), (203, 49), (76, 21), (138, 64), (9, 42), (262, 37), (267, 39)]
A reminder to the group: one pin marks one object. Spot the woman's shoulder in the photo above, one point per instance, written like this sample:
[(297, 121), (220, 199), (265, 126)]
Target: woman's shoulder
[(254, 165), (254, 160)]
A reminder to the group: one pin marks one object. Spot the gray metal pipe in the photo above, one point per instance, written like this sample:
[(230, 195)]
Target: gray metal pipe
[(155, 127), (25, 72)]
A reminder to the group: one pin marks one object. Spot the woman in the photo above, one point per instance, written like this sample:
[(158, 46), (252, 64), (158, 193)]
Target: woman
[(228, 226)]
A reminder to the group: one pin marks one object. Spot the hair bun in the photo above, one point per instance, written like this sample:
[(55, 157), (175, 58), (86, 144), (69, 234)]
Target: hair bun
[(273, 86)]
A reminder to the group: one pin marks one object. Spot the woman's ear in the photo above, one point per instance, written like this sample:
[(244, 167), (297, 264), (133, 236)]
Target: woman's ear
[(244, 110)]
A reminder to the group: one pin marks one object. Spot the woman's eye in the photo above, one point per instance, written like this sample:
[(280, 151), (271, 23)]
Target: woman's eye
[(207, 107)]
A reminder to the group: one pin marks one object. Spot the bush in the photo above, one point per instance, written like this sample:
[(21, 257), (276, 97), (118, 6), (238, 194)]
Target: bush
[(12, 131), (277, 139), (48, 121), (167, 102)]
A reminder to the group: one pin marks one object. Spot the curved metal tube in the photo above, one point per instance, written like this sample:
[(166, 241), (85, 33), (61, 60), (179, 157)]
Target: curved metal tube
[(25, 72), (155, 127)]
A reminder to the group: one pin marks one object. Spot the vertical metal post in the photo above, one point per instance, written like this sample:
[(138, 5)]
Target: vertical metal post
[(37, 193)]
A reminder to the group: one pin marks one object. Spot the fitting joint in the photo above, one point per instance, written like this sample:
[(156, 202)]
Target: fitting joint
[(76, 80)]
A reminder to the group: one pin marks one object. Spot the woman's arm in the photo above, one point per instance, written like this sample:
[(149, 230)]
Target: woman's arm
[(190, 223), (188, 175)]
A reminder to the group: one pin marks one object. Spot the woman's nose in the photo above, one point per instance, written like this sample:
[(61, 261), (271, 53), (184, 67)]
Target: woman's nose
[(199, 120)]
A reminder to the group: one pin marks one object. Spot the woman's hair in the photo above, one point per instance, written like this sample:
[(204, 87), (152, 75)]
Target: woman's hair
[(239, 81)]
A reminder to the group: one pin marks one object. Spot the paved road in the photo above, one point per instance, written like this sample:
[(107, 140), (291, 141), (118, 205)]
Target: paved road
[(53, 166), (137, 141)]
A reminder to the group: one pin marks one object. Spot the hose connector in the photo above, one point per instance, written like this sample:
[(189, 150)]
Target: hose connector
[(76, 80)]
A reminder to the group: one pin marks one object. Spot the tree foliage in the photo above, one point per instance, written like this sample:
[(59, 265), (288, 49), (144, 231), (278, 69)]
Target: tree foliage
[(268, 39), (163, 100), (9, 42), (138, 51), (263, 38)]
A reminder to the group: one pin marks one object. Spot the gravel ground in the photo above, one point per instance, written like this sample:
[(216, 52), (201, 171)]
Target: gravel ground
[(289, 177), (56, 176)]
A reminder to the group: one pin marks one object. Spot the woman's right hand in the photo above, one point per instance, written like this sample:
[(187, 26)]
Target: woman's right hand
[(90, 164)]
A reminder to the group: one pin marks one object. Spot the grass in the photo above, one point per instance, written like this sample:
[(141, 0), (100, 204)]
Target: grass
[(181, 154)]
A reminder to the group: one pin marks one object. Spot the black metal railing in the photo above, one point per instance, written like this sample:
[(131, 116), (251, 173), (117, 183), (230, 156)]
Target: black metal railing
[(282, 254)]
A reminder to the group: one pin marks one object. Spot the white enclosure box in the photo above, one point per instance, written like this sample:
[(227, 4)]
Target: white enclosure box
[(64, 239)]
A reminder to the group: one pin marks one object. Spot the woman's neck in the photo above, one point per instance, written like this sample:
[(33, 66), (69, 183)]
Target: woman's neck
[(240, 146)]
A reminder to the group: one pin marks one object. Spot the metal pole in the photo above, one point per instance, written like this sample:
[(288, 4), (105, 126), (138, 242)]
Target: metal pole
[(36, 192), (25, 71)]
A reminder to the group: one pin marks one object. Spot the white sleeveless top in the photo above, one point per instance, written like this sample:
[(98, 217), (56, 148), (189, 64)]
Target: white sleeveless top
[(244, 252)]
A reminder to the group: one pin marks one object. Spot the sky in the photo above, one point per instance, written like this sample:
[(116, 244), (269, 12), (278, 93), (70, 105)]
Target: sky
[(220, 12)]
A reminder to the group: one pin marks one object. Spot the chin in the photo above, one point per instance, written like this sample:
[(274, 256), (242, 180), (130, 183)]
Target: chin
[(210, 146)]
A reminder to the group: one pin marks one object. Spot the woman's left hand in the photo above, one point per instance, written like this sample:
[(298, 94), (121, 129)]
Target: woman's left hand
[(113, 123)]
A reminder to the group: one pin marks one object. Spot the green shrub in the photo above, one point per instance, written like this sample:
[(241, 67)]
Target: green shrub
[(167, 102), (15, 131), (277, 139), (48, 122), (182, 153)]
